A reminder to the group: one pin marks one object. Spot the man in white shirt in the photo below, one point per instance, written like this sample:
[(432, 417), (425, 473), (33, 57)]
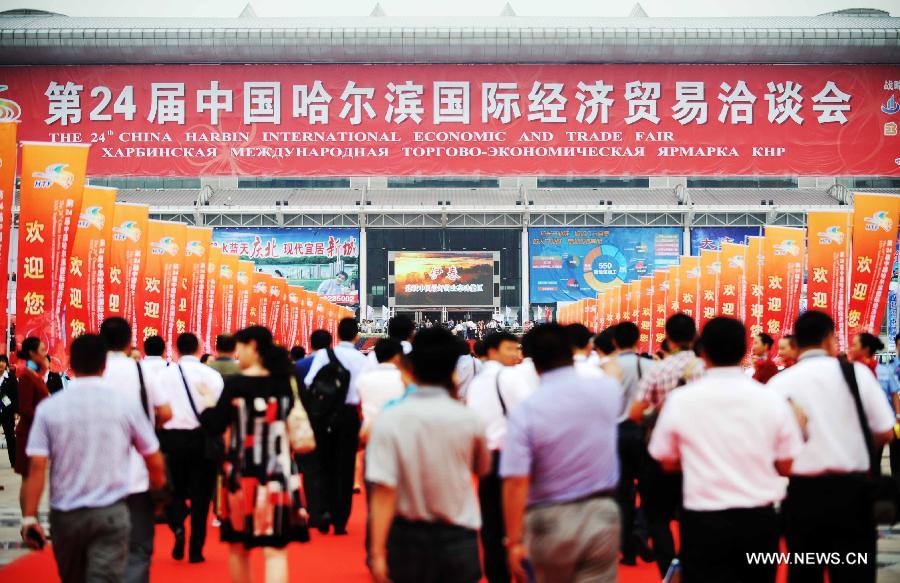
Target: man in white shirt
[(191, 462), (337, 443), (380, 385), (492, 394), (733, 440), (399, 328), (129, 376), (153, 362), (582, 347), (828, 508)]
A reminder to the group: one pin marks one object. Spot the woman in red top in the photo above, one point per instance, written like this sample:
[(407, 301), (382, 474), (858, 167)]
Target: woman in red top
[(32, 390), (864, 348)]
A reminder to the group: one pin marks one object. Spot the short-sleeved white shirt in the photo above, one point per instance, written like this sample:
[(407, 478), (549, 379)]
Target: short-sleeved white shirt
[(835, 440), (728, 431), (121, 373)]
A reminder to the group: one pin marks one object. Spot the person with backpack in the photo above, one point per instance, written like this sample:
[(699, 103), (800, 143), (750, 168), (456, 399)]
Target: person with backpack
[(332, 402)]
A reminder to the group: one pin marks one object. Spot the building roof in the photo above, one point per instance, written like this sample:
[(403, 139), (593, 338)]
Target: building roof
[(56, 39)]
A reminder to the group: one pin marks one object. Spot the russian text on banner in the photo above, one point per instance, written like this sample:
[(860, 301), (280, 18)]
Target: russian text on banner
[(828, 271), (875, 219), (8, 155), (50, 201)]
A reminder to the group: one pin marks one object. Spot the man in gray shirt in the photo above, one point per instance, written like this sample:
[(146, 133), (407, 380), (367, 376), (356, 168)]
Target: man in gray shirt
[(421, 459), (89, 470)]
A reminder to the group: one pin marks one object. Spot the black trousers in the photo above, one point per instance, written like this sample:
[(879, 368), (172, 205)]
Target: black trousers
[(831, 514), (8, 422), (422, 552), (328, 471), (715, 545), (661, 501), (894, 450), (490, 496), (631, 459), (193, 478)]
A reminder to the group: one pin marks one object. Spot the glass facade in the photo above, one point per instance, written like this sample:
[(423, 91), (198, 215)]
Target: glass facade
[(263, 182), (742, 182), (442, 182), (149, 182), (593, 182)]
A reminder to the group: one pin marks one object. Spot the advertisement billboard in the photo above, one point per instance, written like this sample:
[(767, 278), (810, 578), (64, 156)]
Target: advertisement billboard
[(443, 278), (324, 261), (355, 120), (711, 238), (569, 264)]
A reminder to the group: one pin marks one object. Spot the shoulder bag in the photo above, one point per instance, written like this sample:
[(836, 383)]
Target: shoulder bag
[(213, 446), (300, 431), (884, 488)]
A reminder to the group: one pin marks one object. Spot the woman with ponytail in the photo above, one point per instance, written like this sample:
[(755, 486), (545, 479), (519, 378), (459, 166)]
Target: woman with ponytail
[(252, 410)]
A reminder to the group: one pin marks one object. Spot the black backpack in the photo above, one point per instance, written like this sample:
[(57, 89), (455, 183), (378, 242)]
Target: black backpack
[(328, 392)]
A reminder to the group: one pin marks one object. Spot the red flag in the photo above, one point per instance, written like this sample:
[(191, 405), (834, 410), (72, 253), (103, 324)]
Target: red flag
[(8, 155)]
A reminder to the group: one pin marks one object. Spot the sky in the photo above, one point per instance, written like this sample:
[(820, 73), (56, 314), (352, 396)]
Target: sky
[(575, 8)]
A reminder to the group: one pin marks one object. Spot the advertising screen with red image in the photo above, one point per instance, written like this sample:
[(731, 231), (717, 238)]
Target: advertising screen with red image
[(443, 278)]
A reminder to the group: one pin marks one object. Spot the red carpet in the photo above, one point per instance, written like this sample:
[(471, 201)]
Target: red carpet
[(325, 558)]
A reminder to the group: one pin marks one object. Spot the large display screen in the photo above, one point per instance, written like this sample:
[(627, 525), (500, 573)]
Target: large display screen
[(444, 278), (573, 263), (325, 261), (712, 237)]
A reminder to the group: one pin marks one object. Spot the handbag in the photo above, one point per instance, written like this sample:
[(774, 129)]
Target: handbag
[(300, 431), (213, 446), (884, 489)]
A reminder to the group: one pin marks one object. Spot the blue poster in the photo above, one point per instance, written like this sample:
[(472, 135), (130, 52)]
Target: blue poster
[(322, 260), (892, 324), (573, 263), (713, 237)]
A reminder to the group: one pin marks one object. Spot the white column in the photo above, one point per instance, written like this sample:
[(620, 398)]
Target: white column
[(686, 241), (526, 308), (363, 273)]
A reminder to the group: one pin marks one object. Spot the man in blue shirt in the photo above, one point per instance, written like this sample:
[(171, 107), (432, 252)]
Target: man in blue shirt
[(560, 468), (318, 340)]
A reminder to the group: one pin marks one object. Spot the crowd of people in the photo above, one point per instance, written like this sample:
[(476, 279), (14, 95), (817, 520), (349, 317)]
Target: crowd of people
[(551, 457)]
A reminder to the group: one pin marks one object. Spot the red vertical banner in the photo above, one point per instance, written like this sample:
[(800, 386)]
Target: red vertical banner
[(211, 309), (673, 291), (295, 299), (8, 156), (50, 201), (646, 313), (173, 265), (192, 287), (88, 262), (127, 256), (309, 315), (733, 281), (277, 288), (261, 295), (785, 250), (227, 292), (709, 286), (828, 267), (660, 305), (689, 290), (601, 321), (755, 290), (149, 295), (874, 245), (243, 290)]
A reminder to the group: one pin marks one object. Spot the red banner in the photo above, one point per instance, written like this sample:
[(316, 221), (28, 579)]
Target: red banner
[(352, 120), (710, 270), (828, 271), (226, 296), (260, 297), (733, 281), (689, 291), (754, 273), (50, 200), (127, 255), (192, 290), (173, 266), (277, 290), (8, 157), (875, 219), (784, 250), (86, 280), (243, 290)]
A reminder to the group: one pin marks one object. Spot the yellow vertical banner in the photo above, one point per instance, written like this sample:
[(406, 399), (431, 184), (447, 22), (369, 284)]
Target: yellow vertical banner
[(50, 200)]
